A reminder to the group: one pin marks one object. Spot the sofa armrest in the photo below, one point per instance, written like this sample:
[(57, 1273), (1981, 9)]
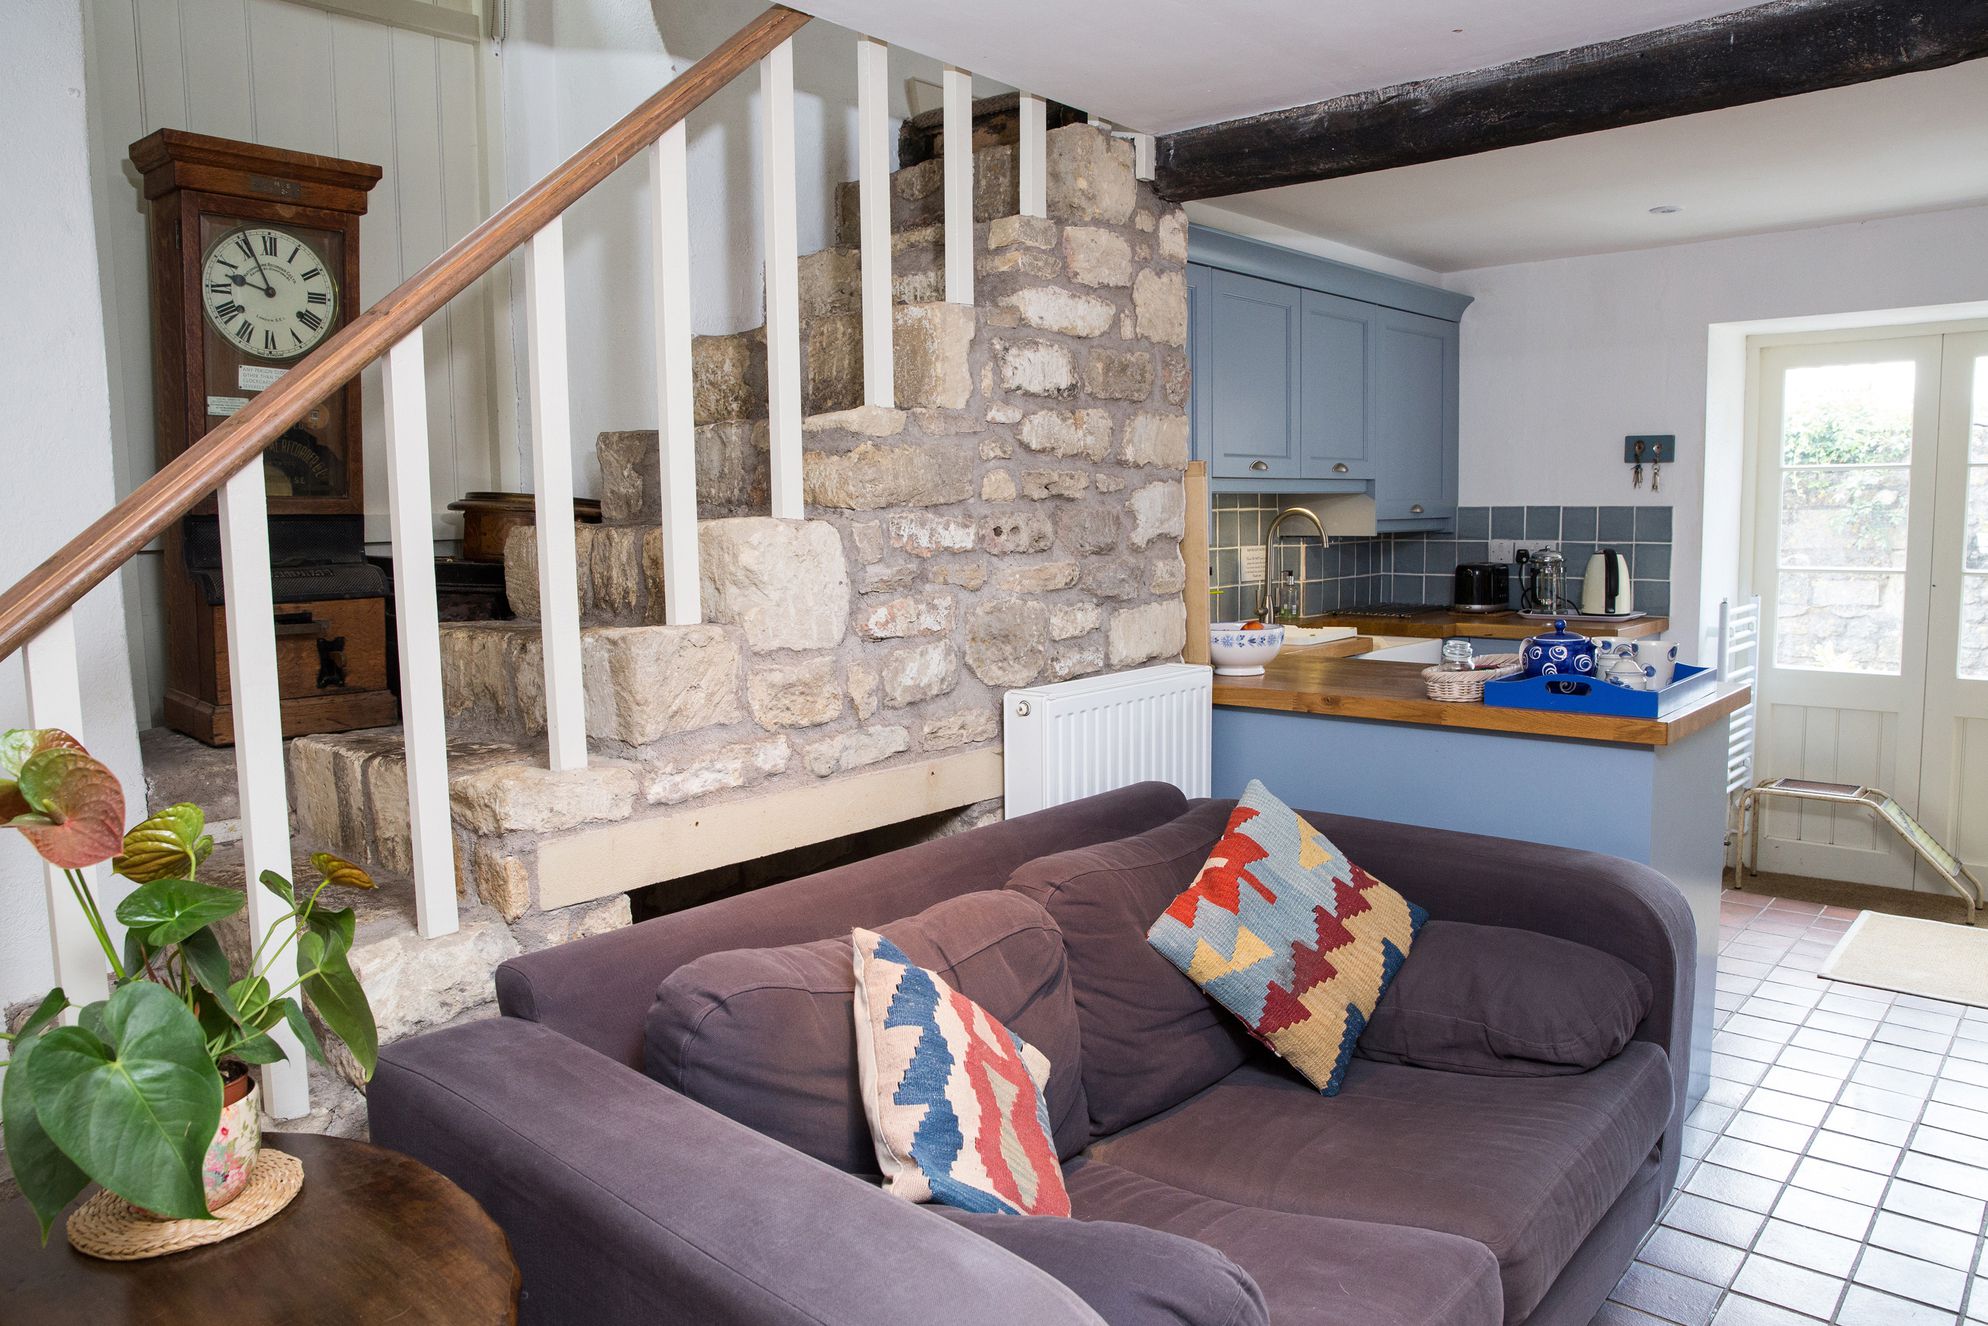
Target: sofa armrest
[(625, 1201)]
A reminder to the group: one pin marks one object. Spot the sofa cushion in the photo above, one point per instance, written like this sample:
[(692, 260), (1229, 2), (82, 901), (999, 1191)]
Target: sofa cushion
[(1290, 936), (1312, 1270), (1508, 1003), (1131, 1000), (768, 1036), (1128, 1274), (1525, 1166), (953, 1098)]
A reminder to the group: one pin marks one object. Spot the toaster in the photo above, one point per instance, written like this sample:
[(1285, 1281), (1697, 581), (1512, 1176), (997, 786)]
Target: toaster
[(1483, 587)]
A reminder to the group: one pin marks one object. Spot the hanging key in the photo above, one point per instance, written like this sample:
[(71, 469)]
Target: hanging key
[(1637, 479), (1656, 473)]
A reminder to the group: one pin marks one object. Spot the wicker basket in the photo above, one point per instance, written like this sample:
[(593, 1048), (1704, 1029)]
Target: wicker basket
[(1468, 687)]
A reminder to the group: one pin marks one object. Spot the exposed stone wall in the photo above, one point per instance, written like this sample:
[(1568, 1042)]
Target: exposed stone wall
[(1018, 522)]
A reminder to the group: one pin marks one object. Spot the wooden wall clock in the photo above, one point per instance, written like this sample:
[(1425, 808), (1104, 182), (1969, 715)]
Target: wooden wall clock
[(255, 262)]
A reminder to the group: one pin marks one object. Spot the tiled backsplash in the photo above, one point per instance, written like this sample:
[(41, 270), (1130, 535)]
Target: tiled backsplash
[(1417, 568)]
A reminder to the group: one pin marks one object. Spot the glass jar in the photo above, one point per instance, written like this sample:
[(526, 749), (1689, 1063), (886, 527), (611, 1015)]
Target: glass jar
[(1458, 656)]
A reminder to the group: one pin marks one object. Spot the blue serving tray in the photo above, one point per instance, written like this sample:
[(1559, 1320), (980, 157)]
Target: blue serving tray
[(1589, 695)]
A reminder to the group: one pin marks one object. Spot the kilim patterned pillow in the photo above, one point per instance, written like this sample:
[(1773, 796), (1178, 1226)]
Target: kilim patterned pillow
[(954, 1099), (1287, 934)]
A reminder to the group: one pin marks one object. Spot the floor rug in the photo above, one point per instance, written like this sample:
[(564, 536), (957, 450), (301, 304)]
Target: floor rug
[(1911, 956)]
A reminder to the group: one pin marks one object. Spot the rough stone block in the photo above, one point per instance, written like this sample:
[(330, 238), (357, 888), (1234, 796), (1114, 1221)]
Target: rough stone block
[(1176, 378), (874, 476), (683, 778), (863, 420), (1035, 232), (1040, 485), (998, 486), (886, 579), (1109, 482), (1006, 532), (504, 882), (1112, 578), (969, 574), (1118, 375), (1171, 236), (832, 364), (1159, 300), (1041, 266), (1077, 659), (563, 925), (1089, 529), (864, 688), (644, 683), (912, 675), (922, 534), (853, 750), (1085, 433), (932, 345), (1090, 176), (1007, 641), (1097, 257), (412, 982), (732, 474), (805, 694), (1152, 630), (831, 282), (1035, 368), (1159, 439), (1067, 621), (1167, 576), (930, 614), (1159, 511), (1040, 579), (728, 377), (783, 581), (868, 538), (527, 798), (1070, 312), (962, 727)]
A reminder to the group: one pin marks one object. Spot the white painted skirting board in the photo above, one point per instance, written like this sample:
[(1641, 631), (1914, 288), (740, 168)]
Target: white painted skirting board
[(615, 858)]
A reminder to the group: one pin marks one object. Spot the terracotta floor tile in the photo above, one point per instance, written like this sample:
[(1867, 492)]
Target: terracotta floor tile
[(1738, 1311), (1855, 1152), (1782, 1105), (1778, 1133), (1900, 1057), (1878, 1101), (1963, 1147), (1736, 1189), (1753, 1158), (1955, 1118), (1868, 1125), (1614, 1314), (1966, 1180), (1798, 1083), (1830, 1042), (1852, 1185)]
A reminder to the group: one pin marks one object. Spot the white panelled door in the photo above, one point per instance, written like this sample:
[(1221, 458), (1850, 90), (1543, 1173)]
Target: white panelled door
[(1871, 561)]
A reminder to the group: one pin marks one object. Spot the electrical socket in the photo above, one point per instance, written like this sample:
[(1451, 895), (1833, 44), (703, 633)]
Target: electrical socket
[(1504, 550)]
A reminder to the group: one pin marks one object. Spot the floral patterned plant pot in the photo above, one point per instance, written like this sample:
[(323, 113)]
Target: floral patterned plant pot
[(231, 1155)]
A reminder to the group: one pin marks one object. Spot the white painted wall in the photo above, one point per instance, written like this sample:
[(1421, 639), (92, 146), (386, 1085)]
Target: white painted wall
[(1561, 359), (54, 394), (573, 67)]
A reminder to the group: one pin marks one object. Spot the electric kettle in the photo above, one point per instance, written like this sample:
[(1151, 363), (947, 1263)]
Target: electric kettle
[(1606, 589)]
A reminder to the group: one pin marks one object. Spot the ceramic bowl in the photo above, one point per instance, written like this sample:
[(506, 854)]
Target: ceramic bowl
[(1236, 652)]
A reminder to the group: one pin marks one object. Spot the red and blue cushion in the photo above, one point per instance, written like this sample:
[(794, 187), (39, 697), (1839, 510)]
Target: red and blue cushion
[(955, 1101), (1287, 934)]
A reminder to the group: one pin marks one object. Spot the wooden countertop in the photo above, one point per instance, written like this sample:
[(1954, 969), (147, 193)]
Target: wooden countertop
[(1437, 623), (1308, 681)]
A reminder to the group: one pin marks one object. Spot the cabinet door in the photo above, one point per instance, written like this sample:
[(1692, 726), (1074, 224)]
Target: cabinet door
[(1200, 360), (1254, 385), (1335, 384), (1415, 419)]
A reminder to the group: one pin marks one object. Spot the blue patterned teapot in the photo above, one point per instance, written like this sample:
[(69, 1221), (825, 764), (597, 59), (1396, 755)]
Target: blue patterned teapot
[(1560, 653)]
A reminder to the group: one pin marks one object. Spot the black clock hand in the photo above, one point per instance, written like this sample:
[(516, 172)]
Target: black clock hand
[(267, 289)]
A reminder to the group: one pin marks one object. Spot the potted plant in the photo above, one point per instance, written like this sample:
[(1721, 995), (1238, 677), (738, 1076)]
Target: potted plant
[(147, 1092)]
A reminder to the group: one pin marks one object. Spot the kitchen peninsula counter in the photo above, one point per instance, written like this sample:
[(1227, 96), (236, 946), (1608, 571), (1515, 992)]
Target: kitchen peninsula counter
[(1441, 623)]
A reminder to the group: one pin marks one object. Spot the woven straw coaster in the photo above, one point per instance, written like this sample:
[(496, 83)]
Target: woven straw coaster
[(109, 1227)]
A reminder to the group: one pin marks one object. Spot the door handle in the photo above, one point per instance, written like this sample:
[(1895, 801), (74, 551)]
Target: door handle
[(1415, 510), (1259, 465), (1339, 467)]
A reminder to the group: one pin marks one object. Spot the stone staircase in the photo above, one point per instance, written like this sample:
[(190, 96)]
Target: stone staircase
[(1016, 519)]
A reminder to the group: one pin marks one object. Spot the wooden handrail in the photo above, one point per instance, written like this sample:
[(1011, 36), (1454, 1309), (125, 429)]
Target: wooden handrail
[(88, 559)]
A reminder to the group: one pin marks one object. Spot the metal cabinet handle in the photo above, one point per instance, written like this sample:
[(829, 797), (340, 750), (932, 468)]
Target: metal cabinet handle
[(1259, 465), (1339, 467), (1416, 509)]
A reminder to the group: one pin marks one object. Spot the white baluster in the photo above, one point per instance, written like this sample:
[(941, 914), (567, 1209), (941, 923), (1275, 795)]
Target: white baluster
[(676, 440), (258, 713), (873, 158), (552, 474), (55, 699), (1032, 161), (783, 282), (958, 137), (1142, 156), (411, 519)]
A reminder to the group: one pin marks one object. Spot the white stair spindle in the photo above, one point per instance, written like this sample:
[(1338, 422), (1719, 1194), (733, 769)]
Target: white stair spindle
[(552, 475), (410, 509), (1032, 161), (873, 158), (1142, 157), (676, 445), (55, 699), (958, 137), (783, 282), (265, 802)]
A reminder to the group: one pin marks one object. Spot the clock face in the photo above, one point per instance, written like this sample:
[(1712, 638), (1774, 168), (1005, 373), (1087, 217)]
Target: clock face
[(269, 292)]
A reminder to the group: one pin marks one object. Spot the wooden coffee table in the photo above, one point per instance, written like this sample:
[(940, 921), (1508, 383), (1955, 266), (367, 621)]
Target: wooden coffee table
[(373, 1237)]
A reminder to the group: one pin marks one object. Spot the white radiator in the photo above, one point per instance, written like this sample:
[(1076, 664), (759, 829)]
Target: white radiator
[(1078, 738)]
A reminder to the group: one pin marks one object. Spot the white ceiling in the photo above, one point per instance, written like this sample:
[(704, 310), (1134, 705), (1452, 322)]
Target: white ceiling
[(1914, 143), (1160, 65)]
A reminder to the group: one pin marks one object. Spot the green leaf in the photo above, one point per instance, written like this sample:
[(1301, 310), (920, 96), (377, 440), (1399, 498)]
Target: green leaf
[(168, 910), (335, 929), (281, 887), (91, 1017), (48, 1179), (67, 803), (166, 846), (300, 1025), (209, 966), (137, 1109), (257, 1049), (50, 1008), (136, 952), (341, 1005)]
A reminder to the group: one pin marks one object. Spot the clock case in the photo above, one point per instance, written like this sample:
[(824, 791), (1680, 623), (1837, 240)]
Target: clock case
[(330, 615)]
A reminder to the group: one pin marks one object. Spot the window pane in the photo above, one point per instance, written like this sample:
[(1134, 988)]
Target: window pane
[(1977, 427), (1974, 627), (1839, 621), (1844, 517), (1848, 414), (1974, 533)]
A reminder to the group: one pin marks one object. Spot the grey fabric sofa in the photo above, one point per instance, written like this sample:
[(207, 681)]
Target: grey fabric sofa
[(1413, 1198)]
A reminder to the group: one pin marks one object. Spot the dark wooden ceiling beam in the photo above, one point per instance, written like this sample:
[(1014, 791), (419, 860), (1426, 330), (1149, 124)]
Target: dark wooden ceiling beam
[(1779, 49)]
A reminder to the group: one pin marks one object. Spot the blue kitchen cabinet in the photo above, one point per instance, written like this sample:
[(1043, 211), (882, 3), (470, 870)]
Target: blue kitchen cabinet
[(1335, 388), (1415, 421), (1251, 378)]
